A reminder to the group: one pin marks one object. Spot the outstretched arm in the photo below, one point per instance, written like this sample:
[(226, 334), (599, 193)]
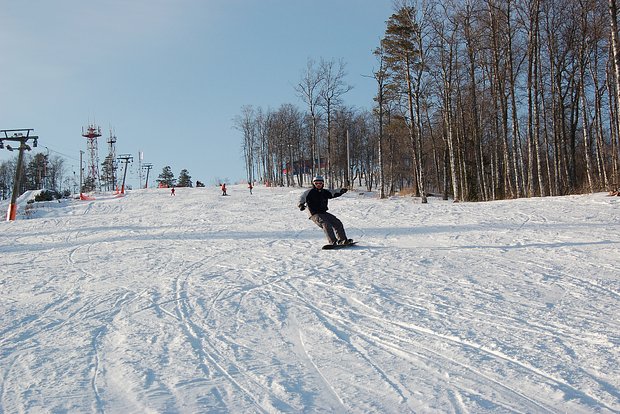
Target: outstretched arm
[(338, 192)]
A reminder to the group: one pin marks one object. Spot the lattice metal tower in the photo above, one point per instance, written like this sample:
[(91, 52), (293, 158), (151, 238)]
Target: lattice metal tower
[(92, 172)]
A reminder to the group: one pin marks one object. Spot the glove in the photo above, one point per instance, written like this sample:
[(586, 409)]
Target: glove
[(343, 190), (302, 207)]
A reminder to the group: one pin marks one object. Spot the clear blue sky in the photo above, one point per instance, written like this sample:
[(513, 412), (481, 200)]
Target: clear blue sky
[(169, 76)]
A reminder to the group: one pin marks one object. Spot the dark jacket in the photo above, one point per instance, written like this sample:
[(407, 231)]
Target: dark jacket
[(316, 200)]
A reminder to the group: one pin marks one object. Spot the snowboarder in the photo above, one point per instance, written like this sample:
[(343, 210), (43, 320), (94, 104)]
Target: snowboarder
[(316, 199), (224, 189)]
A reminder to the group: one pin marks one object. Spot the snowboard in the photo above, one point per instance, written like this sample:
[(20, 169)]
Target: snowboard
[(338, 246)]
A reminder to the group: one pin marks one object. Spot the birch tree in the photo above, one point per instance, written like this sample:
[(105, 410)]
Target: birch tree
[(308, 89), (333, 87)]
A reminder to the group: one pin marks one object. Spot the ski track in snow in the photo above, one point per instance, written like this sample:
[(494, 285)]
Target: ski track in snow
[(200, 303)]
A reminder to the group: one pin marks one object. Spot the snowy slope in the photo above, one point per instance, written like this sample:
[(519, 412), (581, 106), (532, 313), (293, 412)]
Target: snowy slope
[(201, 303)]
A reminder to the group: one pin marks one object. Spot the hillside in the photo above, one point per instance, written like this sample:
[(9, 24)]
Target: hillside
[(150, 303)]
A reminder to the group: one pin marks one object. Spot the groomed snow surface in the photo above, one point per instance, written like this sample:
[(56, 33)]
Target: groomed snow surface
[(200, 303)]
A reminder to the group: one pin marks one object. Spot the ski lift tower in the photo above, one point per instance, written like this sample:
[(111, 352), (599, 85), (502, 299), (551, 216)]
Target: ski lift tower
[(92, 176)]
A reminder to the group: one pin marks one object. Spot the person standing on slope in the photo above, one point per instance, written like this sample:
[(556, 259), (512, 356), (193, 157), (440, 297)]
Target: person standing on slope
[(316, 199)]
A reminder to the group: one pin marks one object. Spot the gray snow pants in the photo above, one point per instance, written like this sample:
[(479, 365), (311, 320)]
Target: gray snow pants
[(330, 223)]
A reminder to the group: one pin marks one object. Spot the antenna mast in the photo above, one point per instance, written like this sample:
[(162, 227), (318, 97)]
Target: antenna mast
[(92, 176)]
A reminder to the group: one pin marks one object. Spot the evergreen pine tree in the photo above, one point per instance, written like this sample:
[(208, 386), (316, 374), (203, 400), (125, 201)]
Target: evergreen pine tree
[(166, 178), (185, 180), (108, 169)]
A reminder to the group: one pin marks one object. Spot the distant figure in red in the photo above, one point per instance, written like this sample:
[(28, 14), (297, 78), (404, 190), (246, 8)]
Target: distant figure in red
[(250, 187), (172, 191), (224, 189)]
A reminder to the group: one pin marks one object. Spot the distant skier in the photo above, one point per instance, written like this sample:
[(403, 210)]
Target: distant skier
[(224, 189), (316, 199), (172, 191), (250, 187)]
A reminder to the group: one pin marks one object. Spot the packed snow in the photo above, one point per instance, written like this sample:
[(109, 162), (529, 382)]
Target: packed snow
[(199, 303)]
